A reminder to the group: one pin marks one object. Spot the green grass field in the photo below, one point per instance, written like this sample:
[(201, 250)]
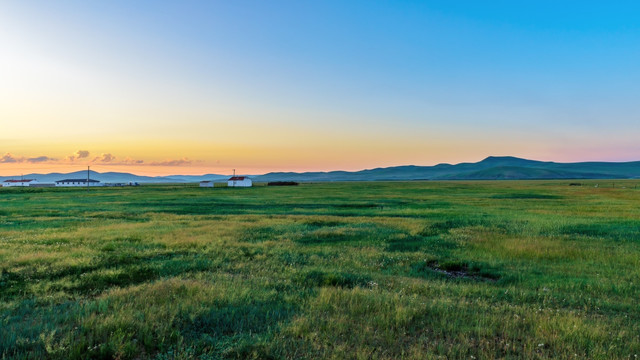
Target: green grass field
[(378, 270)]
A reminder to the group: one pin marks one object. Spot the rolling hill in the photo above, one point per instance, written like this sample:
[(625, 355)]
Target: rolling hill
[(491, 168)]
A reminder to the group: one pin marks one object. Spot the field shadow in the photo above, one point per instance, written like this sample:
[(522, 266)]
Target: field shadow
[(231, 320), (344, 233), (111, 270), (339, 279), (527, 196), (619, 231)]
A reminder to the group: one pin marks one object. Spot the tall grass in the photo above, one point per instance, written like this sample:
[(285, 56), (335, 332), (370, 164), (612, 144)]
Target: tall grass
[(348, 270)]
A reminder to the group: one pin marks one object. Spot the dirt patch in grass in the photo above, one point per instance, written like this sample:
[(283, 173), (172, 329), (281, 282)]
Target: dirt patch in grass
[(455, 270)]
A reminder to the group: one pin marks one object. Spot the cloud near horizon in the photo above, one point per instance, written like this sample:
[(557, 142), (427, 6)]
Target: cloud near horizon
[(103, 159), (40, 159), (80, 154), (9, 158), (110, 159), (180, 162)]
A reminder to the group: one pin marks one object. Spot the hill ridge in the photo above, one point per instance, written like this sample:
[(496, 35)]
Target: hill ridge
[(490, 168)]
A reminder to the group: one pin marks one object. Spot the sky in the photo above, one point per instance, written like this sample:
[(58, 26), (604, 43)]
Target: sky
[(195, 87)]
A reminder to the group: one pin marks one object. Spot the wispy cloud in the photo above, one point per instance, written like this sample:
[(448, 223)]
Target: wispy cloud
[(80, 154), (102, 159), (179, 162), (9, 158), (130, 161), (110, 159), (40, 159)]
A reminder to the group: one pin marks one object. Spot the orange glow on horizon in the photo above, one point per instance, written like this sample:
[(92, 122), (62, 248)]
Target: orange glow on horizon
[(253, 161)]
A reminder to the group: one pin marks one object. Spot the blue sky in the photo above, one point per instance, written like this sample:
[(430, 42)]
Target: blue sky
[(285, 84)]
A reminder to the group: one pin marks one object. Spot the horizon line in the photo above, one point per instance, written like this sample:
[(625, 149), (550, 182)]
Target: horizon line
[(336, 170)]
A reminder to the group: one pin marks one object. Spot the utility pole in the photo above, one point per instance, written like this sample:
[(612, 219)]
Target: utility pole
[(87, 178), (234, 177)]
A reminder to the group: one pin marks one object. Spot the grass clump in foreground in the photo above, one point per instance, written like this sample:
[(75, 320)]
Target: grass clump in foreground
[(347, 270)]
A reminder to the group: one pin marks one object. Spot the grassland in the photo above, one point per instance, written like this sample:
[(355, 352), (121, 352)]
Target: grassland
[(351, 270)]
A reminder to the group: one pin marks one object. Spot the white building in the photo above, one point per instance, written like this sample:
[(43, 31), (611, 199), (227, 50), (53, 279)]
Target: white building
[(78, 182), (206, 183), (239, 181), (22, 182)]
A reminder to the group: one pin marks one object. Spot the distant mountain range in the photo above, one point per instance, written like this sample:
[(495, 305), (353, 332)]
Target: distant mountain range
[(491, 168), (117, 177)]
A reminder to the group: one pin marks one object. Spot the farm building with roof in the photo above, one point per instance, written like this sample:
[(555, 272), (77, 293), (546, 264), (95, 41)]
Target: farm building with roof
[(239, 181), (22, 182), (78, 182)]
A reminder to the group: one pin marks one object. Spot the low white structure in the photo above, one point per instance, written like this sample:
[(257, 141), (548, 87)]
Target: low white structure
[(22, 182), (206, 183), (78, 182), (239, 181)]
